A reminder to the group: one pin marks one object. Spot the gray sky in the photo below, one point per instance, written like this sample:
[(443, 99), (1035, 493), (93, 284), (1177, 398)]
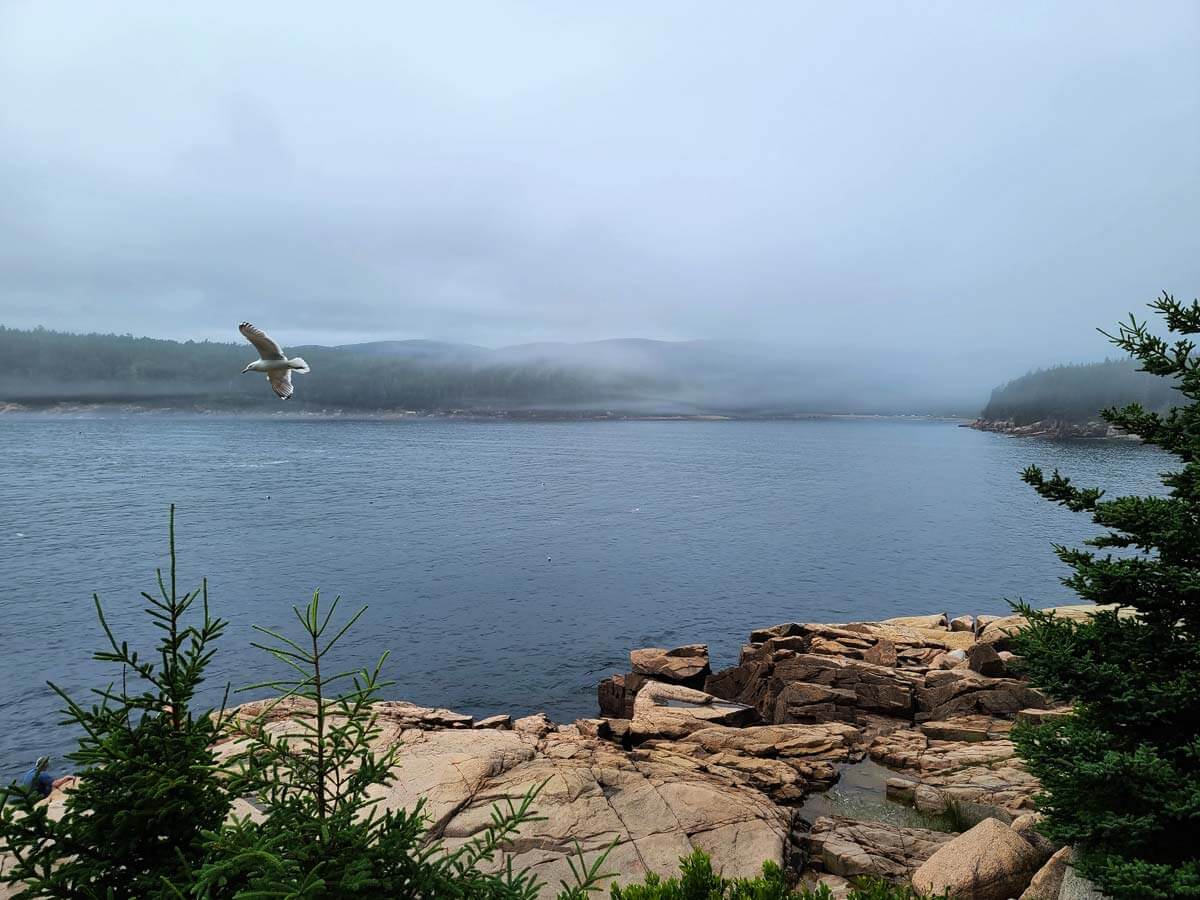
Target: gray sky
[(975, 186)]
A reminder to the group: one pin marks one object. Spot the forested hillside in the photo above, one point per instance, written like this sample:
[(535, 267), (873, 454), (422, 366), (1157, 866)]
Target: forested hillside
[(41, 367), (1076, 393), (634, 376)]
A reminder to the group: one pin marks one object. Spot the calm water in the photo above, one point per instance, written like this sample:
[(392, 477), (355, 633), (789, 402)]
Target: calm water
[(508, 567)]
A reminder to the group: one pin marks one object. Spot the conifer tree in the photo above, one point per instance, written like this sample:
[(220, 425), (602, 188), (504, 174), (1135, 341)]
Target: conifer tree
[(133, 825), (1121, 775)]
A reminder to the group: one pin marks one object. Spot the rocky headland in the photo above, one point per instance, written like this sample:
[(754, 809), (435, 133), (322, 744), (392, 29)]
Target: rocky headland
[(1051, 428), (837, 751)]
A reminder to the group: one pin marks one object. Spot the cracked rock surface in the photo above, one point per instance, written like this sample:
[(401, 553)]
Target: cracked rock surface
[(669, 767)]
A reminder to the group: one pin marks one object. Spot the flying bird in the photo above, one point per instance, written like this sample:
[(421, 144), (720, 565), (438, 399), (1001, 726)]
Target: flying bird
[(277, 367)]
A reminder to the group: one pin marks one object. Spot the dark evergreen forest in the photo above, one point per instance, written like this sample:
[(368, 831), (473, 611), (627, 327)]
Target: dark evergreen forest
[(1077, 393), (40, 367)]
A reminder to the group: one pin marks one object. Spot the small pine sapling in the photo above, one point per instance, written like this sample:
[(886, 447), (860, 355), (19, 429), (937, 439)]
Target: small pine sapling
[(147, 790)]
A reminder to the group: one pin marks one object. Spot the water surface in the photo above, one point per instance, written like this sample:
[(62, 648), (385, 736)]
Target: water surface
[(509, 566)]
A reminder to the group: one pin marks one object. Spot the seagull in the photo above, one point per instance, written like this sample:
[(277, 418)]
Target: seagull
[(277, 367)]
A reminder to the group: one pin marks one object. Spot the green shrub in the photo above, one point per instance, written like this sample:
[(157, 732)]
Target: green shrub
[(698, 881), (1121, 775)]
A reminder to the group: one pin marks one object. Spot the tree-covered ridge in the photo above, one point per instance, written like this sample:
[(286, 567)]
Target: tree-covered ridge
[(42, 366), (1076, 393), (624, 376)]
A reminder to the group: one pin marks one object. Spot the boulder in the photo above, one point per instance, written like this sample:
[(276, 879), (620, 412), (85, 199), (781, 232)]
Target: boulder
[(1047, 883), (989, 862), (802, 702), (984, 659), (1026, 827), (686, 665), (537, 725), (1000, 631), (963, 623), (761, 635), (920, 657), (951, 659), (901, 790), (876, 688), (593, 728), (1075, 887), (853, 849), (1002, 790), (882, 654), (959, 692)]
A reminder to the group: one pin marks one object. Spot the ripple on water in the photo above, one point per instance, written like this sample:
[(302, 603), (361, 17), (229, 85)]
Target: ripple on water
[(443, 528)]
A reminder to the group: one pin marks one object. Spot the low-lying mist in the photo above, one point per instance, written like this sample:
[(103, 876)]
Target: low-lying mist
[(634, 377)]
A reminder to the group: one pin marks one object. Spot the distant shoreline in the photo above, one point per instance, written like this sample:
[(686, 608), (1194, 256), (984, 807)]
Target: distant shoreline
[(102, 409)]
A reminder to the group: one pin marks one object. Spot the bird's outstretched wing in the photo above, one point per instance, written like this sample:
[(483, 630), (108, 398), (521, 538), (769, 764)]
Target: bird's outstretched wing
[(267, 348), (281, 383)]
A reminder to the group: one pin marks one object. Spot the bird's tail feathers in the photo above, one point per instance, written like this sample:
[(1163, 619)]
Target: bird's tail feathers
[(299, 365)]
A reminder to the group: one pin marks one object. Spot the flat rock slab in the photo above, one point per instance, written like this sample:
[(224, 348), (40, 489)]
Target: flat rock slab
[(987, 773), (851, 848), (967, 728), (672, 711), (784, 761), (660, 804)]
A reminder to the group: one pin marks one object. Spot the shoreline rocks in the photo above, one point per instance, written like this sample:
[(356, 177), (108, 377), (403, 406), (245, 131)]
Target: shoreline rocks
[(1051, 428), (685, 758), (988, 862), (931, 698)]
